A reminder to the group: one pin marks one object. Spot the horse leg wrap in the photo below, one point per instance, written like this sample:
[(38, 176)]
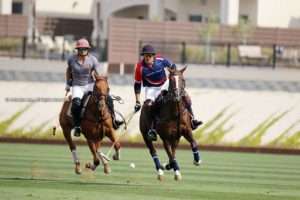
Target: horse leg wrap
[(75, 156), (156, 162), (174, 165), (196, 153)]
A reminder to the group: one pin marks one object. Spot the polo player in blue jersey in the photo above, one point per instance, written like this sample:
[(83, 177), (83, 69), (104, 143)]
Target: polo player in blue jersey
[(150, 72)]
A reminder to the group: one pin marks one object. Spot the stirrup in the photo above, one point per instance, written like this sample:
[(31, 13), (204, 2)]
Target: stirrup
[(195, 123), (152, 134), (76, 131), (117, 123)]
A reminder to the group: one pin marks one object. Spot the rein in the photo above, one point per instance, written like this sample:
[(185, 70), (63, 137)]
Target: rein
[(100, 101)]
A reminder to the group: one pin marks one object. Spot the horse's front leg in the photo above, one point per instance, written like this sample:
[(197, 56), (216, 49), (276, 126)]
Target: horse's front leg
[(152, 151), (103, 158), (188, 135), (170, 149), (116, 144), (72, 146), (96, 161)]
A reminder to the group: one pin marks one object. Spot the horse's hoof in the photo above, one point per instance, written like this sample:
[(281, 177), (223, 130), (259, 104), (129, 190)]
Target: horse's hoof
[(106, 169), (197, 163), (77, 169), (90, 166), (167, 166), (116, 157), (160, 174), (177, 176)]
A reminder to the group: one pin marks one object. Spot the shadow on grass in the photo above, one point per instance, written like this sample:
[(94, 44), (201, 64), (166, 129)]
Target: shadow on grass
[(56, 181)]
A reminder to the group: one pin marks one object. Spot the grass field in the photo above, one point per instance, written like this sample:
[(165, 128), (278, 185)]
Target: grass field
[(46, 172)]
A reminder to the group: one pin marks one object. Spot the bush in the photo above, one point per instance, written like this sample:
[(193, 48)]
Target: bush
[(10, 44)]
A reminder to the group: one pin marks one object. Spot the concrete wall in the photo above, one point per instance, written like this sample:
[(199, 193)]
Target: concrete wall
[(65, 8), (133, 12), (56, 8), (278, 13), (249, 8), (211, 8), (248, 109), (5, 7), (252, 94)]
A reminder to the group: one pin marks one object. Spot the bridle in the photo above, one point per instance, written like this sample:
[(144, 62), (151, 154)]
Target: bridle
[(176, 93), (176, 87)]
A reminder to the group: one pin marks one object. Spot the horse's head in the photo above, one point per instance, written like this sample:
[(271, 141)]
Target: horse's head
[(100, 92), (176, 84)]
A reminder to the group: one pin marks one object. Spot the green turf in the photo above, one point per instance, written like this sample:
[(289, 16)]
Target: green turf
[(46, 172)]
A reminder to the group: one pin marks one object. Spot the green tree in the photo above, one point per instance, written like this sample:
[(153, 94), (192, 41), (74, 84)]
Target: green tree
[(244, 30), (207, 33)]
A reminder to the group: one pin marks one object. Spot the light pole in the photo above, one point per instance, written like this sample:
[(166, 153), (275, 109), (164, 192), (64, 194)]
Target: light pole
[(31, 32)]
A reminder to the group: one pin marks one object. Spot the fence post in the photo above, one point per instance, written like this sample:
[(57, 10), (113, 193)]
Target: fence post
[(228, 61), (24, 44), (140, 46), (183, 53), (274, 59), (63, 49), (104, 50)]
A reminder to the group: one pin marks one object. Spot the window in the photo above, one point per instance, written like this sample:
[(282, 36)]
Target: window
[(244, 18), (204, 2), (173, 18), (17, 7), (195, 18)]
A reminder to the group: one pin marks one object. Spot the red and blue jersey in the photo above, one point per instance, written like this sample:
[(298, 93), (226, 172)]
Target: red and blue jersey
[(153, 75)]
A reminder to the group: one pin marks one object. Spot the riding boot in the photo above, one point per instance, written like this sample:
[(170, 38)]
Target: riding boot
[(110, 103), (76, 111), (188, 104), (152, 133), (194, 122)]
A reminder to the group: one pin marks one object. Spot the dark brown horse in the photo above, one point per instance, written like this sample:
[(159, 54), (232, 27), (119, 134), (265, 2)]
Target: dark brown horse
[(96, 123), (173, 121)]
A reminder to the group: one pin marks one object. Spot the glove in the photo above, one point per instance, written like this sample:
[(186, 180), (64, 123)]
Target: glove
[(67, 88), (173, 66), (137, 106)]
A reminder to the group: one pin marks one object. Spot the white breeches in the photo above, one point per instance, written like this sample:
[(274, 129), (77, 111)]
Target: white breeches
[(79, 91), (153, 92)]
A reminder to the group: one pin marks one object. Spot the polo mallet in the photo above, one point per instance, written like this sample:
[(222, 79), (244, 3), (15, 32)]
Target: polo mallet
[(129, 118)]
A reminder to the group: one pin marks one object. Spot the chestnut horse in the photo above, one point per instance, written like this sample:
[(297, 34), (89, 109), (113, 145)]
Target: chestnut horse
[(172, 121), (95, 124)]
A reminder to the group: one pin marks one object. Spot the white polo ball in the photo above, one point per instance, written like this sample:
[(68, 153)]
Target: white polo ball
[(132, 165)]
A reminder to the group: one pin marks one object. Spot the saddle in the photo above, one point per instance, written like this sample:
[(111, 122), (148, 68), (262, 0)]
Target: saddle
[(84, 103)]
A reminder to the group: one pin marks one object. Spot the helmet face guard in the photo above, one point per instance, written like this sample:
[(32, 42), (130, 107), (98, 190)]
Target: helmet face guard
[(83, 51)]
